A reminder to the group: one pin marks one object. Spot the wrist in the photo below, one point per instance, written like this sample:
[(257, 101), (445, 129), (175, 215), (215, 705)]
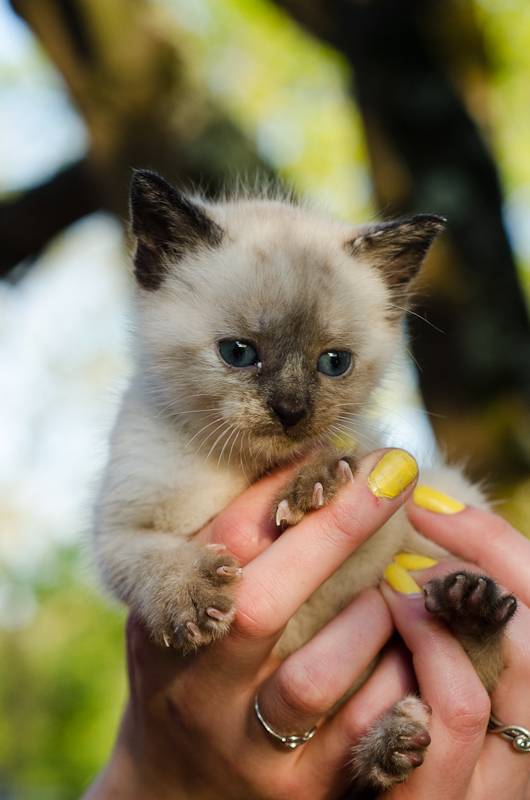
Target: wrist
[(126, 776)]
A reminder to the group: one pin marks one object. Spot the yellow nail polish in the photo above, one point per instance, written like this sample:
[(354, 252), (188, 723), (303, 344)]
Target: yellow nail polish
[(414, 561), (433, 500), (400, 580), (392, 474)]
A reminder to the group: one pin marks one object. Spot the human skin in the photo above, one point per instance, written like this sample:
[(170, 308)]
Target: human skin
[(189, 730)]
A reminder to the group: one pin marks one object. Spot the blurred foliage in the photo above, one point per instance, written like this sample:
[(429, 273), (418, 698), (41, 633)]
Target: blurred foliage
[(63, 691), (61, 661), (289, 91)]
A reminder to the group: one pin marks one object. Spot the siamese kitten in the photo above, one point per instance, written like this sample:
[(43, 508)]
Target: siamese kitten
[(260, 327)]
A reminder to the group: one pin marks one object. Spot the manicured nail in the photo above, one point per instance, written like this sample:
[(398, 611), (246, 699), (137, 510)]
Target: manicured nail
[(392, 474), (433, 500), (400, 580), (414, 561)]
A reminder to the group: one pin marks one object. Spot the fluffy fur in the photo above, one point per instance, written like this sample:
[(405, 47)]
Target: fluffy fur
[(194, 431)]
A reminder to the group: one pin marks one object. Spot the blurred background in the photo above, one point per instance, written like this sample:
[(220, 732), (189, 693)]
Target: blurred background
[(370, 108)]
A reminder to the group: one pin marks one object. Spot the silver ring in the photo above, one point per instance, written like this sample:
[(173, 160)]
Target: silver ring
[(292, 741), (516, 734)]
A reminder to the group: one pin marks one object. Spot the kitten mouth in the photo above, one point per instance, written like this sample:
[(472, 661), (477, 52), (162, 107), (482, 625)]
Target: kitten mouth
[(286, 440)]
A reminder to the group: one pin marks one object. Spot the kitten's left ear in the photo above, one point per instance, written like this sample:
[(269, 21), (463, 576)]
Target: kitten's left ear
[(397, 248)]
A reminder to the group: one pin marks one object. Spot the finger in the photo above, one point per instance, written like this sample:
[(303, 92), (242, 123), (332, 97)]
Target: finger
[(246, 526), (285, 575), (475, 535), (511, 698), (150, 667), (459, 702), (313, 679), (330, 750)]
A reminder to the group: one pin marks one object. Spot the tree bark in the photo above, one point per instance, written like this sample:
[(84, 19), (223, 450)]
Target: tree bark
[(125, 67), (428, 154)]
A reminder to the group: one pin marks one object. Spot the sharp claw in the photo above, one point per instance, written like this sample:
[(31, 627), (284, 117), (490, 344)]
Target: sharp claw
[(318, 495), (345, 470), (194, 632), (283, 513), (166, 639), (421, 739), (229, 572), (214, 613), (506, 608), (431, 603), (455, 591), (477, 595), (415, 759)]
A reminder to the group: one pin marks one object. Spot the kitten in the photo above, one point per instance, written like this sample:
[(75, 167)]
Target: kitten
[(261, 326)]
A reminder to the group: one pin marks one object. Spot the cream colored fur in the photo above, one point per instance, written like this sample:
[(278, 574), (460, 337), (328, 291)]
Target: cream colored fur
[(168, 472)]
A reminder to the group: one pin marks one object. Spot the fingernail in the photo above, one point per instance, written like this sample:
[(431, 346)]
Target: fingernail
[(392, 474), (400, 580), (433, 500), (414, 561)]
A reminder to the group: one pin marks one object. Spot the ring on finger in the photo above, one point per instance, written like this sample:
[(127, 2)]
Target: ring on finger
[(292, 741), (516, 734)]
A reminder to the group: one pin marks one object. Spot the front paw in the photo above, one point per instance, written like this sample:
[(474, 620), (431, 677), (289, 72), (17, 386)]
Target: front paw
[(197, 608), (394, 746), (314, 486), (471, 604)]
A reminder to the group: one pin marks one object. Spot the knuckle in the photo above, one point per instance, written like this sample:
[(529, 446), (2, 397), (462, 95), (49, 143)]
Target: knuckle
[(500, 532), (300, 690), (255, 615), (342, 525), (230, 530), (467, 718), (282, 788)]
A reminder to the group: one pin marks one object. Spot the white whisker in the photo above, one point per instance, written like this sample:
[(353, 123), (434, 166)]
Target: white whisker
[(205, 427), (232, 430), (209, 436), (212, 448), (238, 433)]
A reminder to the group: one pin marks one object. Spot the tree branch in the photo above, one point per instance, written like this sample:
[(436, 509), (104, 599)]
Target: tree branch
[(30, 220)]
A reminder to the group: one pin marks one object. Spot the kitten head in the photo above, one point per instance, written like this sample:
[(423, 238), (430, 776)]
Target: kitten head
[(263, 327)]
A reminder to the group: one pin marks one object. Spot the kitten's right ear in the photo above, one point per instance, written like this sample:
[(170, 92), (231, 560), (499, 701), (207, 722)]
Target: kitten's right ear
[(167, 225)]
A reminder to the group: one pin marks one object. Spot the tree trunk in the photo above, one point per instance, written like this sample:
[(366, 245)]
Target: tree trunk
[(125, 66), (472, 336)]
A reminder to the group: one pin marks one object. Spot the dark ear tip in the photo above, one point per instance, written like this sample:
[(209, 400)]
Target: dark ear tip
[(434, 222), (142, 179)]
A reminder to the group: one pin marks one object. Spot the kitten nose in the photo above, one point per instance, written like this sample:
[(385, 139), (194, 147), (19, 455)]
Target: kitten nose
[(289, 413)]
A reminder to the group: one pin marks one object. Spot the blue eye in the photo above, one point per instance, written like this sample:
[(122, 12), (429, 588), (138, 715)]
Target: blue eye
[(237, 353), (334, 362)]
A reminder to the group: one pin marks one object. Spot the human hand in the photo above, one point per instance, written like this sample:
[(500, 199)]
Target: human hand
[(463, 761), (190, 728)]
